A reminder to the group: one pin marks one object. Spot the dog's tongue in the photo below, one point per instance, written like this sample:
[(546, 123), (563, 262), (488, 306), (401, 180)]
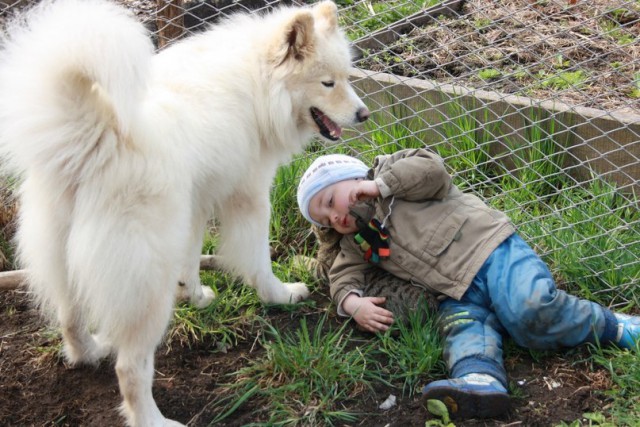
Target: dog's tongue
[(334, 129), (327, 127)]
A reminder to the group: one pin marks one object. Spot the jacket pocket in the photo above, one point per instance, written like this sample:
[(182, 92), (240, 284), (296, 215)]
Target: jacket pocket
[(448, 231)]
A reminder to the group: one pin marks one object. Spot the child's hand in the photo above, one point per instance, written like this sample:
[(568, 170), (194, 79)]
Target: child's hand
[(367, 313), (364, 190)]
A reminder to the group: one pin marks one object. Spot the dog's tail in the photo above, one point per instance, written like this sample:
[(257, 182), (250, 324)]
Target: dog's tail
[(72, 76)]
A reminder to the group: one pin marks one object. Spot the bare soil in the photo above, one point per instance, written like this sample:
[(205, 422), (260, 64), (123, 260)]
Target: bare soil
[(38, 389), (536, 49)]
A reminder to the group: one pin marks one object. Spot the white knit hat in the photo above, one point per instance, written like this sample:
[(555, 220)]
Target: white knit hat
[(323, 172)]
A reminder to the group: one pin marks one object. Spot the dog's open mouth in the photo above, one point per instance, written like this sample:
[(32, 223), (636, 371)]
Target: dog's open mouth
[(328, 128)]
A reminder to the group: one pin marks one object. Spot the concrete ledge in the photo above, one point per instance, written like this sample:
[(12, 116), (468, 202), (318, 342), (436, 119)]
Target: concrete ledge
[(605, 142)]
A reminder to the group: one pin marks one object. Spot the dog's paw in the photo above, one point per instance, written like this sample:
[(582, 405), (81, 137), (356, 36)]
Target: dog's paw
[(197, 295), (297, 292), (73, 356), (89, 353), (204, 298), (276, 292)]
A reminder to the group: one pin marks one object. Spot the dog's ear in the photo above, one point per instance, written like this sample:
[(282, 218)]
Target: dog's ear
[(297, 43), (326, 14)]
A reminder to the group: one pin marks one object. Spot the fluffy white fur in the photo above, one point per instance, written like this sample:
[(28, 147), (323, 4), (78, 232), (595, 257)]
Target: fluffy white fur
[(125, 154)]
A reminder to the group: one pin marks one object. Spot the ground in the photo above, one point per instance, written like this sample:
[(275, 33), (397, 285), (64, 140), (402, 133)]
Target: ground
[(580, 52), (38, 389)]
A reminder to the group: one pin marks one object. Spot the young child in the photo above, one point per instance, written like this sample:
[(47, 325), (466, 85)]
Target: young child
[(405, 216)]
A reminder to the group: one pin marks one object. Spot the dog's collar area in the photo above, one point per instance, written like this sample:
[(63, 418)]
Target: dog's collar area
[(328, 128)]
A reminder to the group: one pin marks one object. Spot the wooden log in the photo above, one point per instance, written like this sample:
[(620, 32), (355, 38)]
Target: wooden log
[(14, 279), (210, 262)]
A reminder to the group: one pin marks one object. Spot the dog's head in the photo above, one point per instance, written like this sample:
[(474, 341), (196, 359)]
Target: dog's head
[(311, 56)]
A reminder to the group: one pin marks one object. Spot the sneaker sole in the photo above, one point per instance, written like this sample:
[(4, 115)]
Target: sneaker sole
[(467, 404)]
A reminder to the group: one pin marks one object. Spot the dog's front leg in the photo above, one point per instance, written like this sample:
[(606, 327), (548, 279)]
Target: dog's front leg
[(244, 249)]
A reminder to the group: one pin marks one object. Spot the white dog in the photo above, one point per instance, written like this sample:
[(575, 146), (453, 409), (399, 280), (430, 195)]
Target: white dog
[(125, 154)]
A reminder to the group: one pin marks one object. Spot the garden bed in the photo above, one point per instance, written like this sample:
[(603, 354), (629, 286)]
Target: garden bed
[(584, 53)]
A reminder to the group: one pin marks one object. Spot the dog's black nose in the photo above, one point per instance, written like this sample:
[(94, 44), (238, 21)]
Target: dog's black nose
[(362, 114)]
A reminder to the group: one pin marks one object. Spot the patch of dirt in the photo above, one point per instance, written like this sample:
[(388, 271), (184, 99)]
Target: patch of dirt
[(38, 389), (534, 47)]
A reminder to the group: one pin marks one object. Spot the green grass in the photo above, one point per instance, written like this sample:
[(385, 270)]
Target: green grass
[(413, 351), (466, 153), (539, 162), (625, 374), (308, 376), (231, 317), (361, 18), (284, 214)]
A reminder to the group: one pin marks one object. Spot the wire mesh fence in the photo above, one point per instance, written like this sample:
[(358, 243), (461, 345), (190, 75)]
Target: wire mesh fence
[(534, 104)]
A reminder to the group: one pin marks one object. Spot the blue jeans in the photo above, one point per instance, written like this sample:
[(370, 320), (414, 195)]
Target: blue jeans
[(515, 294)]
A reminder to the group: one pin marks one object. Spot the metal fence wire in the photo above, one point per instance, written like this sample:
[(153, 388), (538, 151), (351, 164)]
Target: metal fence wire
[(535, 105)]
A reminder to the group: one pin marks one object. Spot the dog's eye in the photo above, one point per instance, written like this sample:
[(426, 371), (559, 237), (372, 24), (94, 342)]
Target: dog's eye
[(328, 84)]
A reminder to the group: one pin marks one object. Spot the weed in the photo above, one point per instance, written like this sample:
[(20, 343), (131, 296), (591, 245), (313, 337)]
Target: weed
[(488, 74), (560, 62), (563, 80), (482, 24), (439, 409), (614, 30), (283, 198), (635, 91), (50, 347)]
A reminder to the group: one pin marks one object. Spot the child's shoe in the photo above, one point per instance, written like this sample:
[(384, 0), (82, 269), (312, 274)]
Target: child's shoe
[(628, 330), (470, 396)]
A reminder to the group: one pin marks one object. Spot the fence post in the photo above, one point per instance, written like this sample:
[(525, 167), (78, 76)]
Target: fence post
[(169, 20)]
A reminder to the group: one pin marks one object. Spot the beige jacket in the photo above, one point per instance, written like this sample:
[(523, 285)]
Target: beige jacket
[(439, 236)]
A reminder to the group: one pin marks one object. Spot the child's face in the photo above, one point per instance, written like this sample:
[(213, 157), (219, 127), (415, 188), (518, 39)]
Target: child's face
[(330, 206)]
